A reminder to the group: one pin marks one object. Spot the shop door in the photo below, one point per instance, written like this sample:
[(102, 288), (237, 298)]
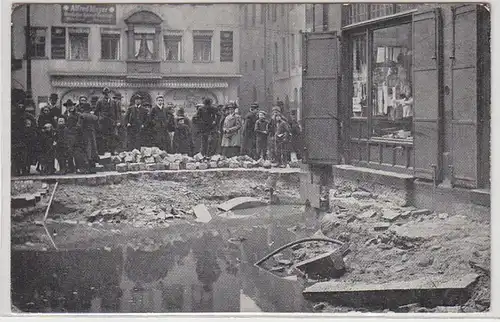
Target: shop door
[(465, 96), (427, 94), (320, 97)]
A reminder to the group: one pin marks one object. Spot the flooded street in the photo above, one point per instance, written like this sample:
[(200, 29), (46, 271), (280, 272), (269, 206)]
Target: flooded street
[(207, 269)]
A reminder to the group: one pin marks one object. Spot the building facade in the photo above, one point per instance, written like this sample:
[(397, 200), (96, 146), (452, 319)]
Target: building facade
[(403, 88), (270, 54), (184, 52)]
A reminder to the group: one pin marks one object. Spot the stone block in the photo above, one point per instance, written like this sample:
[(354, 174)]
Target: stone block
[(101, 180), (234, 165), (247, 164), (366, 214), (267, 164), (161, 166), (421, 212), (381, 226), (202, 214), (122, 167), (329, 265), (122, 155), (198, 157), (190, 166), (142, 166), (213, 164), (134, 167), (151, 167), (430, 291), (203, 166), (129, 159), (175, 166), (155, 150), (147, 152), (157, 158), (91, 181), (163, 154), (390, 215), (138, 158), (135, 152), (104, 159), (149, 160), (216, 158), (351, 203), (115, 159), (361, 195), (241, 203), (99, 168)]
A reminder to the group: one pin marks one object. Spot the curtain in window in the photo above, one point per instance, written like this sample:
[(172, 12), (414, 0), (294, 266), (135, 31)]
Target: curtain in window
[(79, 46), (143, 47)]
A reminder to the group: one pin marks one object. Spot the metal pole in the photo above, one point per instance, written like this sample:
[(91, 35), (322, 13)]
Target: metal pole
[(28, 55)]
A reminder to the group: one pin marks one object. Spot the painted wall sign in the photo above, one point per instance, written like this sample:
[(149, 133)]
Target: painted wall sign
[(226, 46), (102, 14)]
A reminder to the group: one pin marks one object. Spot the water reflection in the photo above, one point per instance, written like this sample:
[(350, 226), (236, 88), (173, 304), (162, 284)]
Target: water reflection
[(203, 274)]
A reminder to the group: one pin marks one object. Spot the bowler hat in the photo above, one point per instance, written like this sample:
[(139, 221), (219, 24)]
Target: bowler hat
[(254, 105), (54, 96), (180, 112), (105, 90), (137, 96), (68, 103), (207, 101), (293, 112), (276, 109)]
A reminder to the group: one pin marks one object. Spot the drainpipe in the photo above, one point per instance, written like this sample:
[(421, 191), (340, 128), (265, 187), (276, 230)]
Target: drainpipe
[(29, 99)]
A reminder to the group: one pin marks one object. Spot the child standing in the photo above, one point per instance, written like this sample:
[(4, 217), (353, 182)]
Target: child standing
[(48, 147), (261, 132), (282, 137), (183, 139), (62, 148)]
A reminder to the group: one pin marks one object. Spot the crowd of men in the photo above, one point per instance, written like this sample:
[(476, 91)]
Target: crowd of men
[(78, 136)]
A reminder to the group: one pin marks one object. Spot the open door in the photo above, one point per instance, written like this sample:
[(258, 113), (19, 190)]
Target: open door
[(427, 94), (320, 83)]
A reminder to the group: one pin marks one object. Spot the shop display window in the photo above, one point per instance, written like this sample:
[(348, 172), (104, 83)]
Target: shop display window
[(359, 76)]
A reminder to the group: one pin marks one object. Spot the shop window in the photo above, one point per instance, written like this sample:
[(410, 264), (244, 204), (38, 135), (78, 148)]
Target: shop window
[(38, 39), (292, 50), (392, 102), (110, 44), (254, 13), (173, 47), (202, 46), (359, 76), (79, 43)]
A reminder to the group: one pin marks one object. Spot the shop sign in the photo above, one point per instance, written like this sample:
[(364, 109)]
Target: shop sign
[(101, 14), (226, 46)]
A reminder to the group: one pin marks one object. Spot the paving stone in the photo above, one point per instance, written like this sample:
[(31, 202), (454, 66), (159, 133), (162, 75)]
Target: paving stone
[(129, 159), (203, 166), (428, 292), (202, 214), (101, 180), (213, 164), (175, 166), (421, 212), (190, 166), (122, 167), (381, 226), (267, 164), (115, 159), (351, 203), (104, 159), (390, 215), (366, 214), (147, 152), (329, 265), (157, 158), (151, 167), (149, 160), (161, 166), (443, 216), (134, 167), (241, 203), (91, 181)]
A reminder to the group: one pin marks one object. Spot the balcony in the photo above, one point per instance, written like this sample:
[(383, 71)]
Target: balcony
[(151, 67)]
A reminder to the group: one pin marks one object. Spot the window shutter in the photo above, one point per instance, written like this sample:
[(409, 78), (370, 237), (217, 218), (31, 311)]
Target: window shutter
[(320, 90), (427, 94), (464, 95)]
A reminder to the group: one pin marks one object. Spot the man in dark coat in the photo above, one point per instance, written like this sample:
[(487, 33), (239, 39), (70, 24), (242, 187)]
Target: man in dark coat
[(248, 146), (135, 119), (73, 136), (48, 149), (108, 118), (55, 111), (296, 134), (121, 139), (18, 144), (46, 117), (207, 115), (147, 134), (163, 123), (196, 128), (81, 100), (88, 123)]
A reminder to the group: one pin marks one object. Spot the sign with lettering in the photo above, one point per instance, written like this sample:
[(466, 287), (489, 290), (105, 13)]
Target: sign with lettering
[(226, 46), (101, 14)]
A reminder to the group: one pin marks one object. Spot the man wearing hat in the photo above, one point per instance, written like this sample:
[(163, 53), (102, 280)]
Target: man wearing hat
[(135, 119), (248, 146), (81, 100), (163, 123), (106, 111), (73, 137), (121, 138), (230, 132), (276, 111), (208, 125), (261, 133), (296, 134), (182, 138), (88, 123), (54, 110)]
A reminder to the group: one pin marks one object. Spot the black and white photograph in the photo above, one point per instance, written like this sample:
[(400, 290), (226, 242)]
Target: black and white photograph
[(251, 157)]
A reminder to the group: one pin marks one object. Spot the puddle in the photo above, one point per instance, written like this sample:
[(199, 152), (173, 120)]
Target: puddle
[(203, 273)]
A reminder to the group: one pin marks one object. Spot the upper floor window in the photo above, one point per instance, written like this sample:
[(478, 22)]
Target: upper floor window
[(283, 43), (262, 63), (202, 46), (262, 13), (253, 64), (245, 15), (38, 39), (275, 58), (79, 43), (144, 43), (173, 47), (254, 13), (110, 44), (274, 9), (292, 50)]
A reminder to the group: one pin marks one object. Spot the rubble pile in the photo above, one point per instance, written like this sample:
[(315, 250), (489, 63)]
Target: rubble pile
[(152, 158)]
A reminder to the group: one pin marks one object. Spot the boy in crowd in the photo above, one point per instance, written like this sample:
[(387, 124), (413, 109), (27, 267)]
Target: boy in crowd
[(48, 148), (183, 139), (62, 148), (282, 136), (261, 132)]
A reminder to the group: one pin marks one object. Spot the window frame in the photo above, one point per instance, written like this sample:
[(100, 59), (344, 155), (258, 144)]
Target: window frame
[(71, 32), (33, 45), (284, 57), (111, 34), (198, 36), (367, 30), (180, 51), (254, 14)]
